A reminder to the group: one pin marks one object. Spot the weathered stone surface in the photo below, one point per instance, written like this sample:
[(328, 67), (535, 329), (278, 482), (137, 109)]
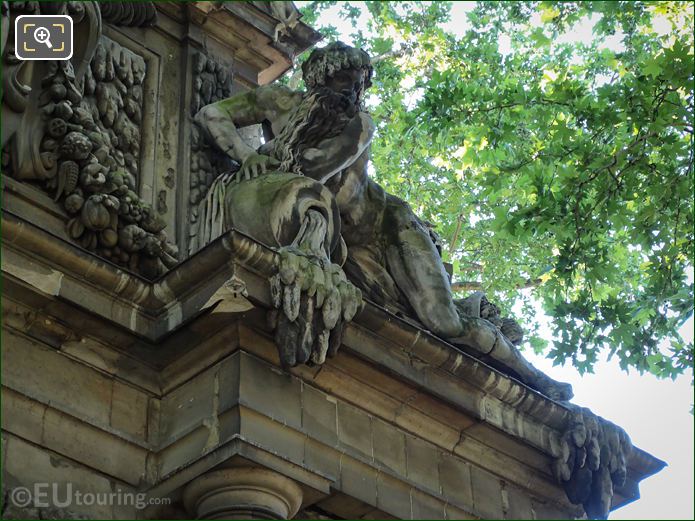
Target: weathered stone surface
[(455, 478), (82, 442), (421, 458), (547, 510), (29, 464), (129, 410), (322, 459), (516, 503), (487, 494), (484, 456), (346, 385), (441, 433), (425, 506), (358, 480), (268, 389), (272, 436), (346, 507), (182, 452), (3, 441), (229, 380), (319, 415), (393, 496), (512, 447), (355, 430), (101, 356), (389, 446), (453, 512), (185, 408), (21, 416), (72, 387)]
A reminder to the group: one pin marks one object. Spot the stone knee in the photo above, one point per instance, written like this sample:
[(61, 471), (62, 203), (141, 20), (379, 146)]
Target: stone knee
[(276, 209), (417, 268)]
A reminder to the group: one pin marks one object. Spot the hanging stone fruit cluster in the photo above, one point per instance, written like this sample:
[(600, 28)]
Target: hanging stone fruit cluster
[(91, 144), (211, 82)]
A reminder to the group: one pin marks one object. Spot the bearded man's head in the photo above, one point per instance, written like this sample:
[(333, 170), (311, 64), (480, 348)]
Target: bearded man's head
[(345, 69), (336, 76)]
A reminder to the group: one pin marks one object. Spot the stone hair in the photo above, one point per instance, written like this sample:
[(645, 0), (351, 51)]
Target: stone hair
[(322, 114), (326, 61)]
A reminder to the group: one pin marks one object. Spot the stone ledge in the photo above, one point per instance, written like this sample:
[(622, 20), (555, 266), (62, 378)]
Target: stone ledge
[(243, 30), (35, 464), (150, 308)]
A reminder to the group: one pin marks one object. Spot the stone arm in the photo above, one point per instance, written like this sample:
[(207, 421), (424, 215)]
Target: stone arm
[(222, 119), (333, 155)]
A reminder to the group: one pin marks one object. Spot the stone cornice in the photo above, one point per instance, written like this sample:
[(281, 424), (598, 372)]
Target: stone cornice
[(152, 310), (249, 31)]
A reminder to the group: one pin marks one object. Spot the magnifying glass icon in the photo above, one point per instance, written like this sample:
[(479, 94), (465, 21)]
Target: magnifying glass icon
[(43, 35)]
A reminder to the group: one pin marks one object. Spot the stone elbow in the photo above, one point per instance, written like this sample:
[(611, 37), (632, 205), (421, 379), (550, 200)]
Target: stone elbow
[(368, 125), (202, 116)]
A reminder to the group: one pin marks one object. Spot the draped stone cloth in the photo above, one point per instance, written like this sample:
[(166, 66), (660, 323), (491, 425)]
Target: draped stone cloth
[(270, 208)]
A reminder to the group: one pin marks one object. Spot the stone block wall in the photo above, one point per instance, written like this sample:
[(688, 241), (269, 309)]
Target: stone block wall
[(92, 382)]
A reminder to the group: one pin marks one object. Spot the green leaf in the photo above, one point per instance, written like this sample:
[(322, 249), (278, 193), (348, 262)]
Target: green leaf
[(570, 163)]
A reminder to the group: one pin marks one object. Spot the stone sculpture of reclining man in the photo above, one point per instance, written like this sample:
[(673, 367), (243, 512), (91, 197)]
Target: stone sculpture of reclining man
[(307, 192)]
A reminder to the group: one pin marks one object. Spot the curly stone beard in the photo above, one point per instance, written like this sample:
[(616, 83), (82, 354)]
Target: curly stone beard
[(322, 114)]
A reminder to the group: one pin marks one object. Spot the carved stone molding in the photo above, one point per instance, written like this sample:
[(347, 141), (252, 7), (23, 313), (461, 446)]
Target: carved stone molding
[(203, 373), (134, 14), (243, 493)]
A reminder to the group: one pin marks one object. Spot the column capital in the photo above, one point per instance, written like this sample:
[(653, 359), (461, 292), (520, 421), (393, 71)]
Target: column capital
[(242, 493)]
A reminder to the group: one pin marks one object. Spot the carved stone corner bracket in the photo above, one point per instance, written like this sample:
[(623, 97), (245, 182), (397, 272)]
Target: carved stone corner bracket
[(591, 461), (242, 493)]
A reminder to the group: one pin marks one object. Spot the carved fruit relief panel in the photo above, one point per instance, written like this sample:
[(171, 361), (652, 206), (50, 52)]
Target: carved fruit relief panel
[(91, 149)]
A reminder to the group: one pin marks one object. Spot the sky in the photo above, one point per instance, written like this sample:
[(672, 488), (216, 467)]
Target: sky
[(655, 413)]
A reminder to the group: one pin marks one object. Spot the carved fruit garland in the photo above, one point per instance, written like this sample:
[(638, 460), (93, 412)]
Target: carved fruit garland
[(212, 81), (90, 150), (591, 461)]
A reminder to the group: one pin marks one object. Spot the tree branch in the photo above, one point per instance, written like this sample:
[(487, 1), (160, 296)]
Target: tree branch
[(466, 285), (397, 53), (452, 245), (470, 285)]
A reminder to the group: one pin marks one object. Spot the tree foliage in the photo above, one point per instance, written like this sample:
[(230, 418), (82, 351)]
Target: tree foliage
[(545, 161)]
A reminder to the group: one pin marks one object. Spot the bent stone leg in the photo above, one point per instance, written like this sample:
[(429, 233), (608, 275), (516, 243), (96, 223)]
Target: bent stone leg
[(311, 295), (419, 272), (485, 338), (417, 268)]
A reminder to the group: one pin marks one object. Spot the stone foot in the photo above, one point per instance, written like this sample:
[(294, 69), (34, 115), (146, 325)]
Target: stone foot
[(558, 391)]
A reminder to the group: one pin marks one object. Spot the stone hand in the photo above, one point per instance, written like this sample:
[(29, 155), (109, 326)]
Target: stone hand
[(313, 300), (255, 165)]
